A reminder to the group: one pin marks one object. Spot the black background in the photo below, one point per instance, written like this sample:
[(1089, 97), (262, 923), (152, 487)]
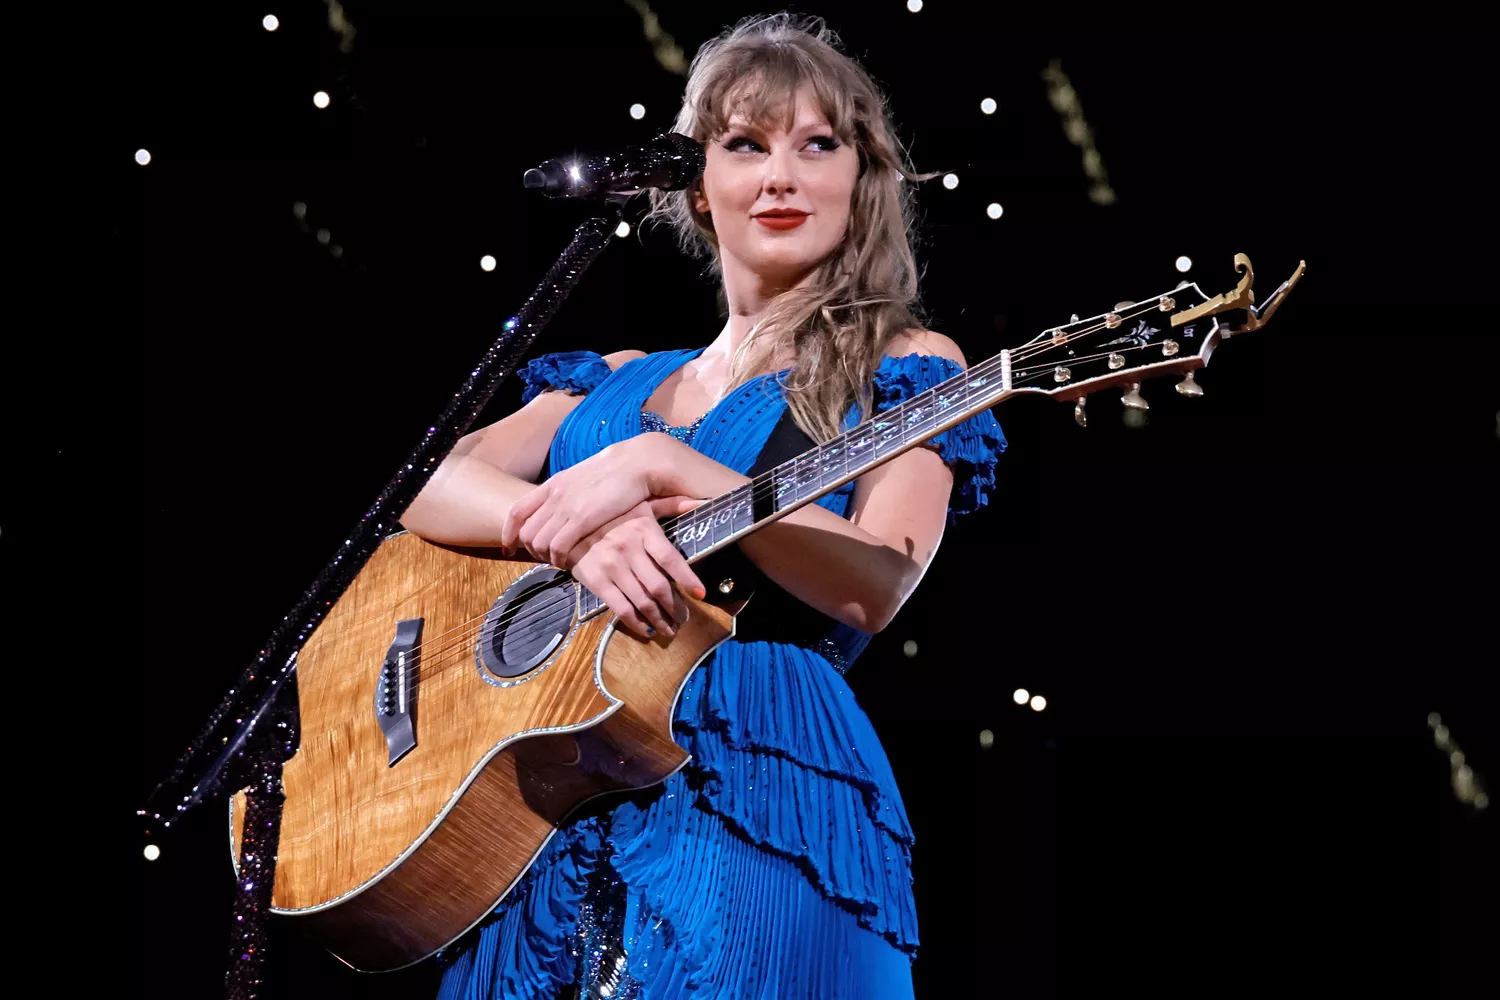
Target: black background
[(1240, 614)]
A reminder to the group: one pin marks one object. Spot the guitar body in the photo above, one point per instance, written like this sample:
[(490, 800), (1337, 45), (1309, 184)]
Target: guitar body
[(519, 711)]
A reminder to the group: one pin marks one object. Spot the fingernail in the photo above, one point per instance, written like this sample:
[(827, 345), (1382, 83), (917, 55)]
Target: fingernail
[(650, 631)]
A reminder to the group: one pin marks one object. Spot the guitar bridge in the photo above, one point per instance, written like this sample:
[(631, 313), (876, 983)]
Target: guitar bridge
[(395, 691)]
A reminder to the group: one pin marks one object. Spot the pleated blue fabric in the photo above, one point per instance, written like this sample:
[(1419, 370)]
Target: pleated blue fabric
[(778, 862)]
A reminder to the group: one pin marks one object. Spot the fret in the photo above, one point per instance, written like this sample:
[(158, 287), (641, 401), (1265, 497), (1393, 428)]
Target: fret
[(807, 474), (829, 458), (689, 534), (861, 441), (914, 419), (713, 513), (784, 481)]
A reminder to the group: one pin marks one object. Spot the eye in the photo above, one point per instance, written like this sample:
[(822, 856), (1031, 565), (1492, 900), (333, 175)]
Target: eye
[(827, 142), (740, 142)]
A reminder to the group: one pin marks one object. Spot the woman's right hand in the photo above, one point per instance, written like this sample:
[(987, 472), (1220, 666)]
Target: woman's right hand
[(630, 565)]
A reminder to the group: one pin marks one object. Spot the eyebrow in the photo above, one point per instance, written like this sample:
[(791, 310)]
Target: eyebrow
[(817, 123)]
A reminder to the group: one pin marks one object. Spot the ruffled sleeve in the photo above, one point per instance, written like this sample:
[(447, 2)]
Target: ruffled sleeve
[(970, 449), (575, 371)]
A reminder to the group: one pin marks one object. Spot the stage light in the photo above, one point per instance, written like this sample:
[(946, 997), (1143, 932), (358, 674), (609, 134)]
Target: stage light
[(622, 230), (488, 263), (988, 105), (143, 156), (324, 236), (914, 5), (909, 648), (321, 99), (1038, 703), (152, 852), (950, 181), (986, 739), (299, 209), (1184, 264), (994, 211), (1021, 695), (270, 23), (637, 111)]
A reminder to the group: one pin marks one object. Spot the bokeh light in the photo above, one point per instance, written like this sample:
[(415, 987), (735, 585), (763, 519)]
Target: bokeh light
[(1184, 264), (152, 852), (1038, 703), (622, 230), (986, 739), (637, 111), (269, 22), (950, 181), (143, 156), (1021, 696), (988, 105), (321, 98), (487, 262), (914, 5), (994, 211)]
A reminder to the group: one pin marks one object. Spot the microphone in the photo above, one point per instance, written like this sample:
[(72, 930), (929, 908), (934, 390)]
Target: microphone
[(670, 162)]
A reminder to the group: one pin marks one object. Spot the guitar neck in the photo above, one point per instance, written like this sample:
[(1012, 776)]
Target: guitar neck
[(797, 482)]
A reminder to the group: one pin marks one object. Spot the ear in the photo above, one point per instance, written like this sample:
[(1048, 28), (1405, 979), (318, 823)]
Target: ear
[(700, 200)]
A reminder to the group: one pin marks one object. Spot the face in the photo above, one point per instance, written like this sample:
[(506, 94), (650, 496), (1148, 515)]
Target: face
[(778, 200)]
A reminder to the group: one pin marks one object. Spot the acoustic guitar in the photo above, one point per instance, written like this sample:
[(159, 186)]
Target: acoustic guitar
[(456, 706)]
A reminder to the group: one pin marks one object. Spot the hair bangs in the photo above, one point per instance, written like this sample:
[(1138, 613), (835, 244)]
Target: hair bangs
[(762, 86)]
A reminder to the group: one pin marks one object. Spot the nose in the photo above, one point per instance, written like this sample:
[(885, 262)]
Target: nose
[(781, 171)]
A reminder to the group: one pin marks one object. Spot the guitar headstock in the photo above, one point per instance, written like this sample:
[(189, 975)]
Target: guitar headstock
[(1171, 333)]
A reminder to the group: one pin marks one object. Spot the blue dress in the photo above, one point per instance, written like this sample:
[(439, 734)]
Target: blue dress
[(777, 863)]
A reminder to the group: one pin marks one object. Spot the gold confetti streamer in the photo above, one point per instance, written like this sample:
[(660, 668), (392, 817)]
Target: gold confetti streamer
[(666, 49), (341, 25), (1065, 102), (1468, 787)]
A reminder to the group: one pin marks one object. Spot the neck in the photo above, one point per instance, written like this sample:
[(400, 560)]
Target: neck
[(749, 295)]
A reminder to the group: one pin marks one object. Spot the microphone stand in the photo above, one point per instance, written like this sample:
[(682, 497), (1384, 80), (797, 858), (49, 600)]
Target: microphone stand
[(225, 756)]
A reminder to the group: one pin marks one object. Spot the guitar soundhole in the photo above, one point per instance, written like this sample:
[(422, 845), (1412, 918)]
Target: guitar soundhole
[(526, 624)]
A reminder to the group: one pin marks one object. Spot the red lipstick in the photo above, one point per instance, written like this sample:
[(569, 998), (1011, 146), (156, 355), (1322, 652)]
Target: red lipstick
[(781, 218)]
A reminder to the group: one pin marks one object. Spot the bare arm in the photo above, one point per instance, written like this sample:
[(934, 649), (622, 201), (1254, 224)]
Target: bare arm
[(467, 498), (858, 571)]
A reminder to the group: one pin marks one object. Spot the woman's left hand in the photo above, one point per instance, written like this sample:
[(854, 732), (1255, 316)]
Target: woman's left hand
[(553, 518)]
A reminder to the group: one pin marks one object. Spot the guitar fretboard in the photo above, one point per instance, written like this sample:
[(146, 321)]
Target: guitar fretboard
[(823, 469)]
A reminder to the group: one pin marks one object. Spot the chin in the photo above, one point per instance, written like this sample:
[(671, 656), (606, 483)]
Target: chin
[(785, 259)]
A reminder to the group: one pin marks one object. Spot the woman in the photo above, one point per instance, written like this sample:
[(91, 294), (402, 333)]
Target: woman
[(777, 863)]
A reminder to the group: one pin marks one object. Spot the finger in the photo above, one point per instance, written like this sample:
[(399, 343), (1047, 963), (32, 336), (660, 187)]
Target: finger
[(672, 506), (640, 583), (522, 509), (658, 586), (563, 541), (674, 564), (621, 606), (537, 533)]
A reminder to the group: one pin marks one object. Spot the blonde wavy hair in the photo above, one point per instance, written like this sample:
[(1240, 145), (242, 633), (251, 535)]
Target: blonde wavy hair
[(864, 293)]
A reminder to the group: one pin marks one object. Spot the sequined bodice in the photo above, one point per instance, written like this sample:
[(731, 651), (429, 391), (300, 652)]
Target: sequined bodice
[(651, 421)]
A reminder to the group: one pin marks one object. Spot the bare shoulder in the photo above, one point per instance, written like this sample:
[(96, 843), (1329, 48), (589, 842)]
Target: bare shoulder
[(926, 342), (619, 358)]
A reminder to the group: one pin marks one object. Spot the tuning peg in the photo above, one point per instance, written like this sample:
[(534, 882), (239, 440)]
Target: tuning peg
[(1190, 388), (1133, 398), (1079, 417)]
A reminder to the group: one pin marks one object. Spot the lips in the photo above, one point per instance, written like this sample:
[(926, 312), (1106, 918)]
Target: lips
[(781, 218)]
